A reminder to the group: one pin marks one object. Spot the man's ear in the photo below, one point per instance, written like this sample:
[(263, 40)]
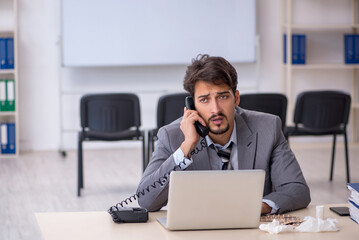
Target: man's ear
[(237, 99)]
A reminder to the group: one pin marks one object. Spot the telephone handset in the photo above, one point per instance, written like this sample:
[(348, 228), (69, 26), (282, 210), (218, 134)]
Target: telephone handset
[(201, 130)]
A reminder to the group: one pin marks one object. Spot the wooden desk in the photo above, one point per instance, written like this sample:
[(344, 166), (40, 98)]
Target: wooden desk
[(99, 225)]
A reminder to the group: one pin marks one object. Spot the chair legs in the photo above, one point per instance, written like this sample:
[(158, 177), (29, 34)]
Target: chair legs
[(333, 155), (346, 155), (144, 161), (150, 145), (153, 139), (80, 177), (286, 134), (149, 150)]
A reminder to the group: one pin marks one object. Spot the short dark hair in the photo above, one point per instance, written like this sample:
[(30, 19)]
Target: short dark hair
[(216, 70)]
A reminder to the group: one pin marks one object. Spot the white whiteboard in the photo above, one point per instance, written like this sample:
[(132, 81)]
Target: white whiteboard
[(156, 32)]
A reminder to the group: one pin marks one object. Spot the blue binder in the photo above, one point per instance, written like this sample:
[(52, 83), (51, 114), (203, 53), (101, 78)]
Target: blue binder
[(301, 49), (295, 49), (11, 138), (298, 48), (3, 56), (356, 48), (349, 48), (10, 53), (4, 138)]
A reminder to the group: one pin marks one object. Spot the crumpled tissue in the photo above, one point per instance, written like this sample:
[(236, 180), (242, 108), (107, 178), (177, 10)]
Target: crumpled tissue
[(310, 224), (275, 227)]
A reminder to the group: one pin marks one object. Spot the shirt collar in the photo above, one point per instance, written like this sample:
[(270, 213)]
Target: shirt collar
[(232, 139)]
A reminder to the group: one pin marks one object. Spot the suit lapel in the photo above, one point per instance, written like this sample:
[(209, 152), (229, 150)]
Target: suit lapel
[(246, 142)]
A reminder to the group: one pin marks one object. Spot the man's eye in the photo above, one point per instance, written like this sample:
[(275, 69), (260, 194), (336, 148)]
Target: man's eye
[(223, 97), (203, 100)]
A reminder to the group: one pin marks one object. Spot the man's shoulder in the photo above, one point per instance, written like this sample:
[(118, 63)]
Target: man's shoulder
[(172, 127), (258, 121), (171, 134)]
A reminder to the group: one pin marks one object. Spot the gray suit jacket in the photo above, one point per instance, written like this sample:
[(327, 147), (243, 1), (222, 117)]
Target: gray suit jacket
[(261, 145)]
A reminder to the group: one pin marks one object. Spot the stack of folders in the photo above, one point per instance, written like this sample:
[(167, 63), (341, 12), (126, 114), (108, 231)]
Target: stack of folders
[(6, 53), (351, 51), (354, 201), (7, 95), (7, 138), (298, 48)]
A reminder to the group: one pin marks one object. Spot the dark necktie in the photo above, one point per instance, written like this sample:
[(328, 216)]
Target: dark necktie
[(225, 155)]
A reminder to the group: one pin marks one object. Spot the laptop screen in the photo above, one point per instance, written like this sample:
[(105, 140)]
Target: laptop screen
[(215, 199)]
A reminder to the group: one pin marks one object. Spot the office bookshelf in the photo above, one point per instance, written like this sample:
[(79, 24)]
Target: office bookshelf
[(292, 22), (8, 29)]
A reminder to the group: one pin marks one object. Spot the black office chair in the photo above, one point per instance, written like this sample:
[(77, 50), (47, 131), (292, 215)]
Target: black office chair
[(273, 103), (169, 108), (320, 113), (108, 117)]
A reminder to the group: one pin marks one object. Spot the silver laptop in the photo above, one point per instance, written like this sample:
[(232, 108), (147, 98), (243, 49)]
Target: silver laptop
[(214, 199)]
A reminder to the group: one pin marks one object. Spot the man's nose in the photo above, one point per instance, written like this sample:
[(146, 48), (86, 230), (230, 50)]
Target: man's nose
[(215, 107)]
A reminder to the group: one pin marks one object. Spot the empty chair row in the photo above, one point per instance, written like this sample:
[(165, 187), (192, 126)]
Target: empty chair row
[(317, 113), (116, 116)]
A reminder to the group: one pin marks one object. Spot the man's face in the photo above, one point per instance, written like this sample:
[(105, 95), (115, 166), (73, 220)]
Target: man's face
[(215, 104)]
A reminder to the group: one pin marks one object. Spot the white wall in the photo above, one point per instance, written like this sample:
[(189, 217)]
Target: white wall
[(39, 28), (40, 75)]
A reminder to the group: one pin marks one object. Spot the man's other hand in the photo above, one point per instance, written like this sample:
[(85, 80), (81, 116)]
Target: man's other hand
[(265, 208)]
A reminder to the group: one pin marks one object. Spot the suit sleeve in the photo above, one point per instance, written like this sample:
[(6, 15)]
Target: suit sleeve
[(290, 190), (153, 188)]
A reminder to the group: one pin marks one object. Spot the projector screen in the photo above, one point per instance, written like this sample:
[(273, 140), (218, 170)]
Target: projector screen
[(156, 32)]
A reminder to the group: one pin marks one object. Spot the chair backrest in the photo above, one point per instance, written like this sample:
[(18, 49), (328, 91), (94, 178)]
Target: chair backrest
[(170, 107), (111, 112), (322, 110), (273, 103)]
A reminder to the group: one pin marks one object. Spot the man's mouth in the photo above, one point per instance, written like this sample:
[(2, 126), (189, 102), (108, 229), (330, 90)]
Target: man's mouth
[(217, 120)]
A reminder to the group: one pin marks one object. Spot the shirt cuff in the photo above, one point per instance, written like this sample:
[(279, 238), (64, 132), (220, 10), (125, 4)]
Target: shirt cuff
[(180, 160), (272, 204)]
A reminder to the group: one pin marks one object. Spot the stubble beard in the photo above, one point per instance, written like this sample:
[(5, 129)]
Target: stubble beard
[(220, 130)]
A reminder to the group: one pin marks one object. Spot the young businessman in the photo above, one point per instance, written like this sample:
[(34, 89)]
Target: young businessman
[(253, 140)]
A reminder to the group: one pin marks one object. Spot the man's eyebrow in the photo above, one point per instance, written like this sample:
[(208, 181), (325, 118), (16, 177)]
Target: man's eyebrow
[(218, 93), (202, 96), (224, 92)]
